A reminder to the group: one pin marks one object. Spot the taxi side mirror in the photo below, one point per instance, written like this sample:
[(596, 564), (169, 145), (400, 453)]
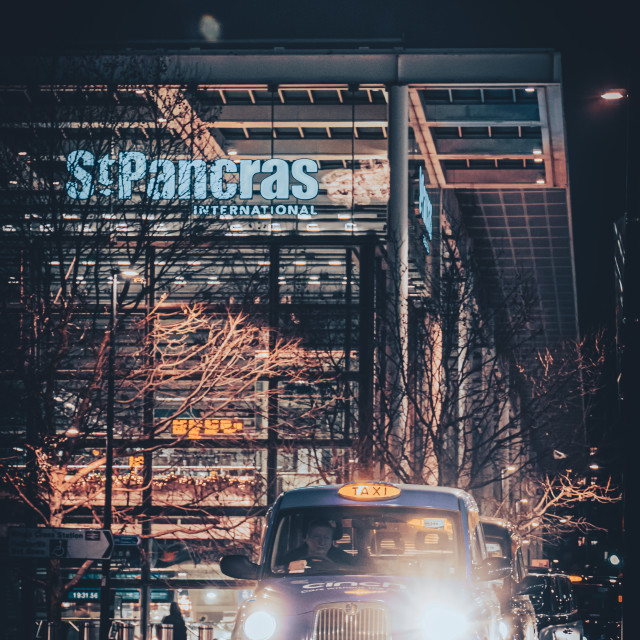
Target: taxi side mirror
[(494, 569), (239, 567)]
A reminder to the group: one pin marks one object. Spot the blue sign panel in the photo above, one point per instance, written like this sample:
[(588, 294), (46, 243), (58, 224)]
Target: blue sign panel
[(425, 209)]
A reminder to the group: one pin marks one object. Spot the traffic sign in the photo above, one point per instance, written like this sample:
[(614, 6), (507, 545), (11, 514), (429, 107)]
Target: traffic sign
[(40, 542), (126, 541)]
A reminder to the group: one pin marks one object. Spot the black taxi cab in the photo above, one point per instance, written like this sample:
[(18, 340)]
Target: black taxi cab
[(518, 613), (371, 561)]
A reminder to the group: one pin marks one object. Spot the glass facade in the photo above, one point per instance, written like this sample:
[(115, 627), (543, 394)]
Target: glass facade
[(246, 348)]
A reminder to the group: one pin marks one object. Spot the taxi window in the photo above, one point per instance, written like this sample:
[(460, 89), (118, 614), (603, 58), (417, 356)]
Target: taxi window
[(521, 566), (478, 545), (367, 540), (565, 600), (537, 588)]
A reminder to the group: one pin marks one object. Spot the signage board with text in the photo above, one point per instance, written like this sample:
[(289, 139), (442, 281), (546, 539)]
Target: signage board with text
[(41, 542)]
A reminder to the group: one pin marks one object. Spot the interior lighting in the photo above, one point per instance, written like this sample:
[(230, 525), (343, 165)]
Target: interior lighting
[(344, 215), (56, 183), (313, 226), (140, 92), (129, 272), (162, 119), (524, 500), (530, 89), (300, 263), (22, 153), (511, 468), (13, 182), (72, 432), (335, 263), (232, 152), (613, 94), (538, 159), (540, 181), (594, 466), (537, 152), (350, 226)]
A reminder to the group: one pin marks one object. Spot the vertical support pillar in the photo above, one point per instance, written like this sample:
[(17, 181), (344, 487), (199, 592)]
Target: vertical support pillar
[(398, 273), (348, 321), (272, 401), (147, 427), (106, 597), (366, 347)]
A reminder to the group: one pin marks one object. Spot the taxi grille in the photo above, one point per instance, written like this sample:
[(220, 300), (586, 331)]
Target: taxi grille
[(351, 621)]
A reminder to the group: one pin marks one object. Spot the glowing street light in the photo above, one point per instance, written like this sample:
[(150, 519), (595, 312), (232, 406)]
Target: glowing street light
[(614, 94)]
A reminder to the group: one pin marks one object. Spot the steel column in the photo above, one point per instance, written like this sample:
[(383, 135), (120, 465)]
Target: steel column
[(398, 273)]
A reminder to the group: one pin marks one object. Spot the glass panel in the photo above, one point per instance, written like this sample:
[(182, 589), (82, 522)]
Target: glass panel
[(367, 541)]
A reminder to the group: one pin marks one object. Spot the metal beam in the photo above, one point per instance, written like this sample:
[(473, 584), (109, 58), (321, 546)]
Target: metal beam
[(423, 137), (451, 66), (481, 115)]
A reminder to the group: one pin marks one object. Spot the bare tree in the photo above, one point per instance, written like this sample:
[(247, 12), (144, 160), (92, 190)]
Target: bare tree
[(548, 510), (488, 406), (69, 221)]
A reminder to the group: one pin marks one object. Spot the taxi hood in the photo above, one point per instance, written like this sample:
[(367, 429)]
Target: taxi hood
[(297, 595)]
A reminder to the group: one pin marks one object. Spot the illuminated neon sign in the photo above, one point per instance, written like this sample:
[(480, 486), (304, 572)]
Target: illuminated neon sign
[(222, 179), (425, 209), (368, 491), (196, 428)]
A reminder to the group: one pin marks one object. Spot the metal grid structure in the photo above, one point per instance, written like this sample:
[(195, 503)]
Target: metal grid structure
[(485, 124)]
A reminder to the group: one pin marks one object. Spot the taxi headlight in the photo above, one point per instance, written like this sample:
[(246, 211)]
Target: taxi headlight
[(504, 629), (259, 625), (444, 622)]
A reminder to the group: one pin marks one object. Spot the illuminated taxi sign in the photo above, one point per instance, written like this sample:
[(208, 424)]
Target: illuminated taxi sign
[(368, 491)]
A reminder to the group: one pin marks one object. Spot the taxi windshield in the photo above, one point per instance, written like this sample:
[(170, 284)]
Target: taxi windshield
[(367, 540)]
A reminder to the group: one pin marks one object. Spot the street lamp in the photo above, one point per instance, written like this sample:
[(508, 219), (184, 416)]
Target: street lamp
[(107, 516), (613, 94)]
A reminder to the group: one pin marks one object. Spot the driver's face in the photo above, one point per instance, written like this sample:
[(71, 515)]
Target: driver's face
[(319, 540)]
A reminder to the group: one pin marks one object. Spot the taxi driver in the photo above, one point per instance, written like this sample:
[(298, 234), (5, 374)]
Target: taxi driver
[(317, 550)]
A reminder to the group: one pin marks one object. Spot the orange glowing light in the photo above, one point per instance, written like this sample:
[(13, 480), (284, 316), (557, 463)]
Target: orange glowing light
[(369, 491)]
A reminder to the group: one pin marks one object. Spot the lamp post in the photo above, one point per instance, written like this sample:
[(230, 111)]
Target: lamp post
[(628, 331), (107, 517)]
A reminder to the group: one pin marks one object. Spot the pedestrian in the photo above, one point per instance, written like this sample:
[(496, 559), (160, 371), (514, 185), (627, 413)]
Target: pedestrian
[(176, 620)]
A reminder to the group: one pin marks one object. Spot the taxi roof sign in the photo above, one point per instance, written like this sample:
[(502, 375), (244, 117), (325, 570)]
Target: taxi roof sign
[(369, 491)]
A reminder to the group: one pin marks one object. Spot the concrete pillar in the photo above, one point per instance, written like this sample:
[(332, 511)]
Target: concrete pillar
[(398, 273)]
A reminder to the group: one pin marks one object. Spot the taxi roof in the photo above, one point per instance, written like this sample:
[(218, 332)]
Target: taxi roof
[(411, 495)]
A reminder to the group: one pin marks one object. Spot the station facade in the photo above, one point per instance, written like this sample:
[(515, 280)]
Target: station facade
[(351, 224)]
